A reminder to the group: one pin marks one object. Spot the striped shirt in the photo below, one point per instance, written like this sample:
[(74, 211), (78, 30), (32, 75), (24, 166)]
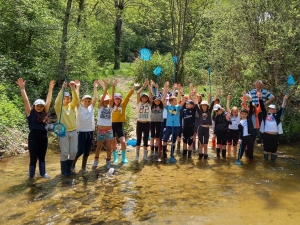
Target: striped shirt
[(265, 95)]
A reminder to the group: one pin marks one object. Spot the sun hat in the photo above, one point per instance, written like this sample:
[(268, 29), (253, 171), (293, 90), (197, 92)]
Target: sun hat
[(86, 96), (39, 102), (118, 95), (204, 102), (190, 102), (105, 98), (144, 95), (217, 107), (272, 106)]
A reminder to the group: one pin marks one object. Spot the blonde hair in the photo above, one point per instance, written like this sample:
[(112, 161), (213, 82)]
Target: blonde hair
[(234, 108)]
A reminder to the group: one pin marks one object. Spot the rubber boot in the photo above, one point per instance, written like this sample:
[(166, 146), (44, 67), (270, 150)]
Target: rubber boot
[(74, 162), (189, 154), (213, 144), (184, 153), (115, 155), (164, 152), (145, 155), (137, 154), (266, 156), (205, 156), (218, 152), (224, 153), (201, 156), (178, 145), (273, 157), (42, 167), (69, 166), (108, 164), (84, 161), (31, 171), (124, 159), (63, 167)]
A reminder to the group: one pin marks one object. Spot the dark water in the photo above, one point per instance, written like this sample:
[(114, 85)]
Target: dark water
[(188, 192)]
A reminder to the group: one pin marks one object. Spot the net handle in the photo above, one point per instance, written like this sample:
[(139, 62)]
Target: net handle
[(62, 101)]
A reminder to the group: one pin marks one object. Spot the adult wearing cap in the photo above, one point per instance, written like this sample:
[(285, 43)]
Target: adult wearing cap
[(67, 144), (222, 121), (85, 125), (271, 127), (118, 119), (37, 122), (267, 97)]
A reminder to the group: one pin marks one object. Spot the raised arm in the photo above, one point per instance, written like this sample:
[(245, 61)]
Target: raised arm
[(166, 90), (111, 100), (75, 99), (184, 99), (228, 103), (21, 84), (49, 95), (104, 85), (150, 93), (95, 93), (77, 87)]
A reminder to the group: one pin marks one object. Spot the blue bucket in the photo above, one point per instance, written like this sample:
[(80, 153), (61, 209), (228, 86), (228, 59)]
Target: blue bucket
[(131, 142)]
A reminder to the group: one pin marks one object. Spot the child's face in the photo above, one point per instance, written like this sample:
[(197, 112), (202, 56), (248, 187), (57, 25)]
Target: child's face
[(189, 106), (117, 101), (39, 108), (144, 99), (173, 101), (105, 103), (66, 101), (156, 102), (86, 102), (218, 112), (204, 107), (244, 115), (272, 111), (234, 112)]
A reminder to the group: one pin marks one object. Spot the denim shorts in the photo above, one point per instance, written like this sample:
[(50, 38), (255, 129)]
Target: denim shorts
[(105, 135)]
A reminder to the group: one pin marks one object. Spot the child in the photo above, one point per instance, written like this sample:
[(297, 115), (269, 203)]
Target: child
[(38, 134), (271, 127), (118, 119), (173, 120), (143, 121), (203, 128), (67, 144), (222, 120), (85, 125), (156, 123), (188, 115), (105, 132), (246, 133), (197, 123), (233, 131)]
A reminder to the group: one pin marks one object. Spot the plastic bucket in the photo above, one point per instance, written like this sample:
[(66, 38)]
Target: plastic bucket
[(131, 142)]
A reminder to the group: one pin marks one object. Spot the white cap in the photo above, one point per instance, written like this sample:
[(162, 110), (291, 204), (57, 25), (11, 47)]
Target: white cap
[(272, 106), (39, 102), (86, 96), (204, 102), (217, 107)]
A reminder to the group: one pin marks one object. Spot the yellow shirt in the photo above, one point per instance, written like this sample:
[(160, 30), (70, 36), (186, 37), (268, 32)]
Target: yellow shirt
[(68, 116), (119, 113)]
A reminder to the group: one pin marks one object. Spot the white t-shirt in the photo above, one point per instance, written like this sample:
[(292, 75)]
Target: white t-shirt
[(235, 120), (85, 119), (144, 112), (104, 116), (271, 124), (245, 127)]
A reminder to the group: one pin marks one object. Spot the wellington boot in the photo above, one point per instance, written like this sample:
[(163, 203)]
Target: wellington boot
[(115, 155), (31, 171), (84, 162), (184, 153), (205, 156), (218, 152), (224, 153), (201, 156), (42, 167), (266, 156), (273, 157), (74, 162), (189, 154), (124, 159)]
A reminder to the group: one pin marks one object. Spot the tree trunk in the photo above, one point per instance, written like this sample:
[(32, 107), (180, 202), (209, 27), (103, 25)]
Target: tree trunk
[(119, 6), (62, 70)]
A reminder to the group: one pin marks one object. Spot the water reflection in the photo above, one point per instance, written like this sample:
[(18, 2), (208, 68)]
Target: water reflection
[(189, 192)]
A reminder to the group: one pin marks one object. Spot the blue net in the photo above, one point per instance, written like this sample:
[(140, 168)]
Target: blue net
[(59, 129), (174, 59), (291, 80), (145, 54), (157, 71)]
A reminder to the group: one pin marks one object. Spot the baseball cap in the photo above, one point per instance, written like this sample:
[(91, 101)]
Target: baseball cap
[(190, 102), (86, 96), (39, 102), (67, 94), (272, 106), (217, 107), (118, 95)]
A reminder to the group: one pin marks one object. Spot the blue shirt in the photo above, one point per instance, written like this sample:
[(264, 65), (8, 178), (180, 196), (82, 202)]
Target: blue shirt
[(265, 95), (173, 116)]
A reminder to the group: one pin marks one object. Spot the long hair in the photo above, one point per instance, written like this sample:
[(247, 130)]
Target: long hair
[(161, 106), (42, 117)]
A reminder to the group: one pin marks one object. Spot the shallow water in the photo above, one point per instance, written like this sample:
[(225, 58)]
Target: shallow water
[(188, 192)]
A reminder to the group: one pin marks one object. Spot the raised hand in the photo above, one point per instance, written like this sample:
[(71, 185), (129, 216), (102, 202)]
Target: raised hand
[(115, 82), (135, 85), (21, 83), (51, 84), (228, 97), (166, 85), (107, 82), (101, 83), (77, 83), (146, 82), (96, 83), (64, 85), (72, 85)]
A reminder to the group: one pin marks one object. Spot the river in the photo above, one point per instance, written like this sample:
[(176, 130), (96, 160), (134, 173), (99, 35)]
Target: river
[(187, 192)]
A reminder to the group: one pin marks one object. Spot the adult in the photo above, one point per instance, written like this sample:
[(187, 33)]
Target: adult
[(267, 97)]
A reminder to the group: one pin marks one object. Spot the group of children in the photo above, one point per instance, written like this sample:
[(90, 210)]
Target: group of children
[(162, 113)]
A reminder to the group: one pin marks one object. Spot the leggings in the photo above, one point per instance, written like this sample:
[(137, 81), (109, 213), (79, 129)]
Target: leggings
[(155, 129), (37, 144), (203, 134), (142, 128), (249, 142)]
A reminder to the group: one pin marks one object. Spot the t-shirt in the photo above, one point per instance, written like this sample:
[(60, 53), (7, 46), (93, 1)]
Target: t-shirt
[(33, 124), (245, 127), (188, 116), (235, 120), (157, 114), (104, 116), (119, 112), (144, 112), (85, 119), (173, 117)]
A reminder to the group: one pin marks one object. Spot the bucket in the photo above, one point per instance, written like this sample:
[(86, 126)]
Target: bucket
[(131, 142)]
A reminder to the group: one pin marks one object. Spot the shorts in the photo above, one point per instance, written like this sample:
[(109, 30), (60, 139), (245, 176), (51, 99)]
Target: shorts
[(117, 128), (233, 137), (105, 135), (168, 131), (222, 137), (188, 135)]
